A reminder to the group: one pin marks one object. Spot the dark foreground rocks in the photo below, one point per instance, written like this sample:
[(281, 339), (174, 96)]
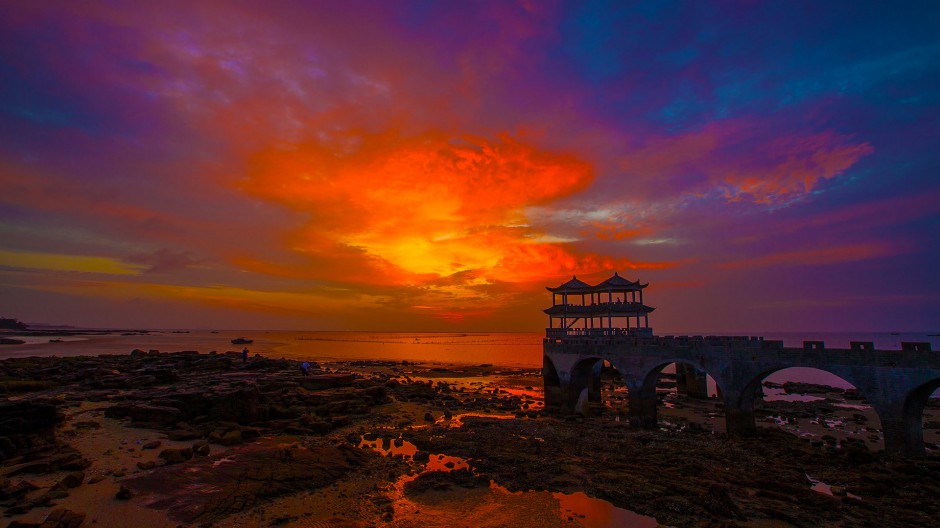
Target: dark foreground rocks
[(688, 479), (242, 478), (225, 437), (26, 427)]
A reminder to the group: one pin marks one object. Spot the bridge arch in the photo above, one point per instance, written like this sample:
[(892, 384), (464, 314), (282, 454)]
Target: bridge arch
[(644, 400), (913, 413), (615, 390), (584, 385), (554, 393), (866, 418)]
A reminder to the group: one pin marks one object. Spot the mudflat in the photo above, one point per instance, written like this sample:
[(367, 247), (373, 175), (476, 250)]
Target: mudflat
[(190, 439)]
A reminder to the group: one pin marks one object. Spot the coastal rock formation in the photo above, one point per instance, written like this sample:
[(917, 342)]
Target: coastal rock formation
[(218, 486), (26, 427), (204, 438)]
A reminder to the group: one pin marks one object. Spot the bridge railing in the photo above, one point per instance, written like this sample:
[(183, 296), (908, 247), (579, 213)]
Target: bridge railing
[(597, 333)]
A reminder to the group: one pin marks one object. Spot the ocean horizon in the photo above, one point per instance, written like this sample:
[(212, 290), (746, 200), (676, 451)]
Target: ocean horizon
[(501, 349)]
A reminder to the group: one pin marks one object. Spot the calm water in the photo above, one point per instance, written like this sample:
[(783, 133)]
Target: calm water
[(508, 349)]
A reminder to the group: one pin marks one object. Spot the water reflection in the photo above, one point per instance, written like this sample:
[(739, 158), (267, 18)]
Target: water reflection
[(494, 506), (779, 394), (596, 513), (826, 489)]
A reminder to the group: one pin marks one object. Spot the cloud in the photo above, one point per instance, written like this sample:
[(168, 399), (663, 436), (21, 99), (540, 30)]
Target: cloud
[(817, 256), (426, 206), (744, 160), (164, 260), (68, 263)]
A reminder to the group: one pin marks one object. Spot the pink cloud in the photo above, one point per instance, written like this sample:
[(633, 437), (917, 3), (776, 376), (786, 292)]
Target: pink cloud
[(740, 160)]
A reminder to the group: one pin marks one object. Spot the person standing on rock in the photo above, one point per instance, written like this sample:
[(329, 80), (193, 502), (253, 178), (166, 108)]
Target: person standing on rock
[(245, 355), (305, 368)]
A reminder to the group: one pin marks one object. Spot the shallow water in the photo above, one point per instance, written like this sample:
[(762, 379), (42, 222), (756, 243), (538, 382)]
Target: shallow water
[(498, 504)]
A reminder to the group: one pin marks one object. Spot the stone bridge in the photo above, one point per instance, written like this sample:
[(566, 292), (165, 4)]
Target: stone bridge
[(897, 383)]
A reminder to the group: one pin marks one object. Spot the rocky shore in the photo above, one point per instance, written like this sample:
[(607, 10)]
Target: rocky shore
[(190, 439)]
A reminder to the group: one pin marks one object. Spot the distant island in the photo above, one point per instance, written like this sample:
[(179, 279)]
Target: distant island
[(12, 324)]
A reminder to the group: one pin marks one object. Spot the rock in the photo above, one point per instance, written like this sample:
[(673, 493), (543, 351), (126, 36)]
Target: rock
[(152, 444), (150, 464), (67, 459), (201, 449), (327, 381), (176, 456), (428, 417), (63, 518), (318, 427), (124, 493), (230, 438), (96, 479), (718, 502), (180, 435), (442, 481), (26, 427), (241, 406), (255, 473), (72, 480), (16, 491)]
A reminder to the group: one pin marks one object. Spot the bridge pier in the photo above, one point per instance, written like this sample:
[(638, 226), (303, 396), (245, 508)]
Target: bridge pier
[(556, 392), (641, 405), (739, 418), (903, 438)]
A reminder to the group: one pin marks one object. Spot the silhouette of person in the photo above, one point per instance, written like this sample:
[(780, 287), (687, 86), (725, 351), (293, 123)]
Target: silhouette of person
[(245, 355), (305, 368)]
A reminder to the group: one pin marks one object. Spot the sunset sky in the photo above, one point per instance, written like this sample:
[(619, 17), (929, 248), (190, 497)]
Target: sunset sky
[(433, 165)]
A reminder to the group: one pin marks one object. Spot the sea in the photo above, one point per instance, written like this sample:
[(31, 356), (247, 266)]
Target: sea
[(508, 349)]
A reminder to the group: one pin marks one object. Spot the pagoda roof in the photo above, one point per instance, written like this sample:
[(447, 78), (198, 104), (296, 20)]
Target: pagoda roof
[(616, 282), (574, 285)]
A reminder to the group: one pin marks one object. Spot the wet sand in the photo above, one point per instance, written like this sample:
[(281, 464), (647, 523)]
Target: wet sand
[(198, 440)]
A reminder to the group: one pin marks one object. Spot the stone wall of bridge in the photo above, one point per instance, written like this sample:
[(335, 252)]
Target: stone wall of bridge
[(897, 383)]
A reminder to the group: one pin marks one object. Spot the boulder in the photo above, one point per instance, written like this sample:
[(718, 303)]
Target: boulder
[(231, 438), (63, 518), (72, 480), (124, 493), (26, 427), (201, 449), (176, 456), (241, 405)]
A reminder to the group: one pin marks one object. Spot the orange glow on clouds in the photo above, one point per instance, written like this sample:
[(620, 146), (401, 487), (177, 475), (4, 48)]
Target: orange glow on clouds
[(425, 207)]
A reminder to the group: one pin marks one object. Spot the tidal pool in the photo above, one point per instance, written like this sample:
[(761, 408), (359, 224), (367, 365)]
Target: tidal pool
[(494, 505)]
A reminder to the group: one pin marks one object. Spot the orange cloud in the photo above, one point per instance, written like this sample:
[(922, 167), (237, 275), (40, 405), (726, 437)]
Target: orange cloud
[(745, 161), (442, 214), (796, 166), (429, 205)]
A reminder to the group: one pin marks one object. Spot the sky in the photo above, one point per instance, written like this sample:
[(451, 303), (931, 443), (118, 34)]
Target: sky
[(433, 166)]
